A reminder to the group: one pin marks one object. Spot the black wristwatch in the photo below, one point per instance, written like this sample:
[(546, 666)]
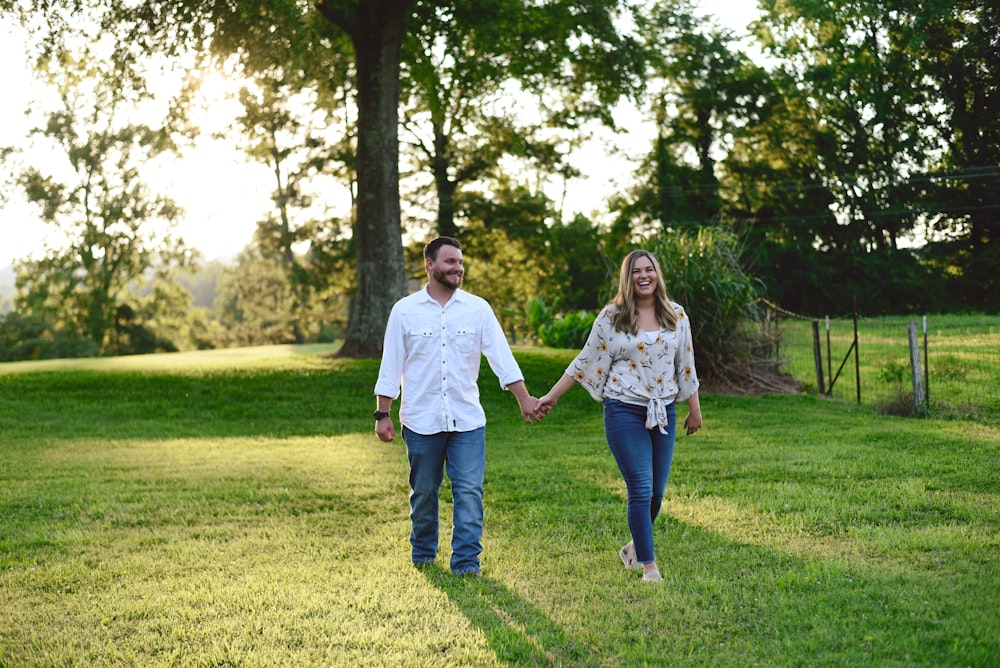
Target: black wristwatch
[(381, 414)]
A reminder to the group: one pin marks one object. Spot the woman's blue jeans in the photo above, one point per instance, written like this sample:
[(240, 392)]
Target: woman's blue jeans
[(464, 452), (643, 457)]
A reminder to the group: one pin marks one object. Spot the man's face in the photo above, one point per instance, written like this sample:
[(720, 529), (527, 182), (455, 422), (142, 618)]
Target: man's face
[(447, 270)]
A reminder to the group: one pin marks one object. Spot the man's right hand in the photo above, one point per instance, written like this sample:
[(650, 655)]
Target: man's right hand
[(385, 430)]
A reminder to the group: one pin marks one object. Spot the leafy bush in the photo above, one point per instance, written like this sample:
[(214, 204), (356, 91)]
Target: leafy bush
[(568, 330), (895, 372), (33, 337)]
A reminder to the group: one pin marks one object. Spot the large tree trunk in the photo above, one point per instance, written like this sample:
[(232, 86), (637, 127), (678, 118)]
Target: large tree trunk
[(446, 187), (376, 30)]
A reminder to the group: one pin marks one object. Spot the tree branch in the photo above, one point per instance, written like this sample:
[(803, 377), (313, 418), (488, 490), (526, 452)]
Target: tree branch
[(337, 16)]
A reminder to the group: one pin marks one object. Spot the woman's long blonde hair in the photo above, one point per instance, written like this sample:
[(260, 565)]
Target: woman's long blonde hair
[(627, 317)]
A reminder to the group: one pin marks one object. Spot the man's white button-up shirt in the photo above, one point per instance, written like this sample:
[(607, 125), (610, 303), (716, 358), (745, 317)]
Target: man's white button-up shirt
[(431, 355)]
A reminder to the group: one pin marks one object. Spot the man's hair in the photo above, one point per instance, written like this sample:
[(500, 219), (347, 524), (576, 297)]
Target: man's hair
[(433, 246)]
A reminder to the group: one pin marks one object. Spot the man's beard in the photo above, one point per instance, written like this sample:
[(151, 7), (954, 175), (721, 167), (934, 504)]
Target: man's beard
[(448, 280)]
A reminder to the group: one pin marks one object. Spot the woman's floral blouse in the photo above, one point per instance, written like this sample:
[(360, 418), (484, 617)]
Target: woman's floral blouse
[(629, 368)]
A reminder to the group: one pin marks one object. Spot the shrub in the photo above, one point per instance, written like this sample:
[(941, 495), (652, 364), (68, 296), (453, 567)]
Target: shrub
[(32, 337), (568, 330)]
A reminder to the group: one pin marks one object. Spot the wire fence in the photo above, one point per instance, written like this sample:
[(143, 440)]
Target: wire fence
[(941, 365)]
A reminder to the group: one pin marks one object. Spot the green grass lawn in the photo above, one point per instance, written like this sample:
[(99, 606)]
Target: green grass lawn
[(235, 508)]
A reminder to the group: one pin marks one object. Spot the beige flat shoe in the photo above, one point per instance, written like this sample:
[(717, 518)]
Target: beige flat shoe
[(627, 555), (652, 576)]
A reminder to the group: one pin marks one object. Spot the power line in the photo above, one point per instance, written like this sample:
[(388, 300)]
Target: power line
[(969, 174)]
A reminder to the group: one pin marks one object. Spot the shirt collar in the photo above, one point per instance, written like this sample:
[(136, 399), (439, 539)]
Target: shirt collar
[(458, 296)]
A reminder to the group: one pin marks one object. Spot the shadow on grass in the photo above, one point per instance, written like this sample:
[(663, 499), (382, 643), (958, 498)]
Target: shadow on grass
[(518, 633)]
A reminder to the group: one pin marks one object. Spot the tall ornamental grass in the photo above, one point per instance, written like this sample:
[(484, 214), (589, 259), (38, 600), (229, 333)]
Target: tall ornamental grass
[(703, 272)]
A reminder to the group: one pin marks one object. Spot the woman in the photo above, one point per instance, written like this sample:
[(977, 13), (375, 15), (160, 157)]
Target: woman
[(639, 361)]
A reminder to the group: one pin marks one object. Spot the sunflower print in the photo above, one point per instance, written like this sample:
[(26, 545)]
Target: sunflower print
[(630, 368)]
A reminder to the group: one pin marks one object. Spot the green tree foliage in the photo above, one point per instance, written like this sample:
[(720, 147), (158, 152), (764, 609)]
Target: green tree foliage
[(586, 41), (869, 127), (169, 310), (499, 242), (457, 115), (703, 89), (330, 262), (202, 282), (286, 126), (261, 35), (116, 234), (255, 304), (857, 83), (35, 336), (864, 114), (560, 330), (566, 262), (958, 57), (578, 268), (468, 76)]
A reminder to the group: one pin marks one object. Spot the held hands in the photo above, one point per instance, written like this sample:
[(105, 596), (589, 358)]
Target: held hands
[(530, 410), (541, 408), (546, 403)]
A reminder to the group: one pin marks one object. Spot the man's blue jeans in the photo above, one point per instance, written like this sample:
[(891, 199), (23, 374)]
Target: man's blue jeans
[(643, 457), (464, 452)]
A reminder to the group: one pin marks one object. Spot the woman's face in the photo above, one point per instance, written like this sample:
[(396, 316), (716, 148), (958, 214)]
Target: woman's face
[(644, 277)]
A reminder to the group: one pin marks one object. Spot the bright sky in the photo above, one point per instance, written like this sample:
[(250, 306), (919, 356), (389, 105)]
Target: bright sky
[(224, 196)]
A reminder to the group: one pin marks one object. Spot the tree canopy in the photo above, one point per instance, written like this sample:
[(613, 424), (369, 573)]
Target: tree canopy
[(859, 156)]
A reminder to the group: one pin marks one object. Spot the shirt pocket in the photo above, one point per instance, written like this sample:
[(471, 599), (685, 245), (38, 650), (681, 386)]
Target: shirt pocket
[(466, 339), (420, 342)]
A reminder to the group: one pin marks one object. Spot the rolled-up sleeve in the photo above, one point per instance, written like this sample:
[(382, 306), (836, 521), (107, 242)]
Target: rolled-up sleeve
[(390, 371), (497, 351)]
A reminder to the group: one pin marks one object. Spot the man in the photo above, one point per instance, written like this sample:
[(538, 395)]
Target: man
[(434, 342)]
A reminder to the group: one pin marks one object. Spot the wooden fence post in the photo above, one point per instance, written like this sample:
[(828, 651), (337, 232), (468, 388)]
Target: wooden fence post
[(919, 402)]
